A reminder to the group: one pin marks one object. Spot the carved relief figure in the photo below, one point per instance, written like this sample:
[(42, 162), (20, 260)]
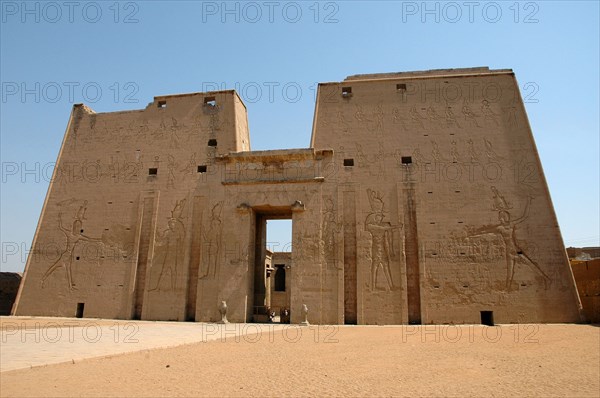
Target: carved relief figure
[(330, 228), (379, 117), (450, 118), (73, 237), (499, 202), (470, 116), (506, 229), (190, 166), (473, 155), (212, 245), (169, 250), (376, 160), (436, 153), (490, 153), (343, 122), (416, 117), (488, 113), (360, 115), (511, 114), (398, 118), (418, 157), (432, 115), (454, 152), (381, 245), (174, 138), (170, 171)]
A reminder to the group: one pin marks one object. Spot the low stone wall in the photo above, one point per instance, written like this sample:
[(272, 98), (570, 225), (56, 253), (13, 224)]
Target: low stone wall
[(587, 278)]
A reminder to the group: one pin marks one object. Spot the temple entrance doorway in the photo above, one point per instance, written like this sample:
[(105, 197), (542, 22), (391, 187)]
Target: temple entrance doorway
[(272, 266)]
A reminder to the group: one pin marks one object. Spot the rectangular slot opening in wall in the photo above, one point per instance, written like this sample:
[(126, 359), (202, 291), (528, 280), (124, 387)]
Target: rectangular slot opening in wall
[(210, 101), (401, 87), (162, 104), (348, 162), (212, 142), (346, 92), (152, 171), (202, 169), (79, 313), (406, 159), (487, 318)]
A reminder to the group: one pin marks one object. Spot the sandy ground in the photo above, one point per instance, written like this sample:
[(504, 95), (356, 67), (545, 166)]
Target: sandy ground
[(508, 360)]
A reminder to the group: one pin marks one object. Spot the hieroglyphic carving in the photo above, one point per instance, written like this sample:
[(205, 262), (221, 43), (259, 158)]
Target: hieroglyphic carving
[(73, 237), (506, 229), (169, 247), (212, 242)]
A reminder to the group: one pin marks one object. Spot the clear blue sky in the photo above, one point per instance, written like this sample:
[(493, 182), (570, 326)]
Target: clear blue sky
[(131, 51)]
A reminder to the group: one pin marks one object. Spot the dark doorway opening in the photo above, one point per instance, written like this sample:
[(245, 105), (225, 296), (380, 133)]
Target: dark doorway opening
[(79, 313), (279, 278), (487, 318)]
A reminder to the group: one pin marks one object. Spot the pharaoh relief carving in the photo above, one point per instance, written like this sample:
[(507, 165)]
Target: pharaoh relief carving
[(212, 242), (381, 253), (331, 227), (171, 171), (169, 250), (73, 236), (506, 229)]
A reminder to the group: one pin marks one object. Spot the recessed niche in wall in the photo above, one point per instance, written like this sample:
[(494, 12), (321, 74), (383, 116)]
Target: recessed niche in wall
[(346, 92), (202, 169), (152, 171), (162, 104), (348, 162), (406, 159), (210, 101), (212, 142), (401, 87)]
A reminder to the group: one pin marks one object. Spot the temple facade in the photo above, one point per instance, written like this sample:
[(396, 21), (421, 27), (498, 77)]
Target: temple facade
[(421, 199)]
